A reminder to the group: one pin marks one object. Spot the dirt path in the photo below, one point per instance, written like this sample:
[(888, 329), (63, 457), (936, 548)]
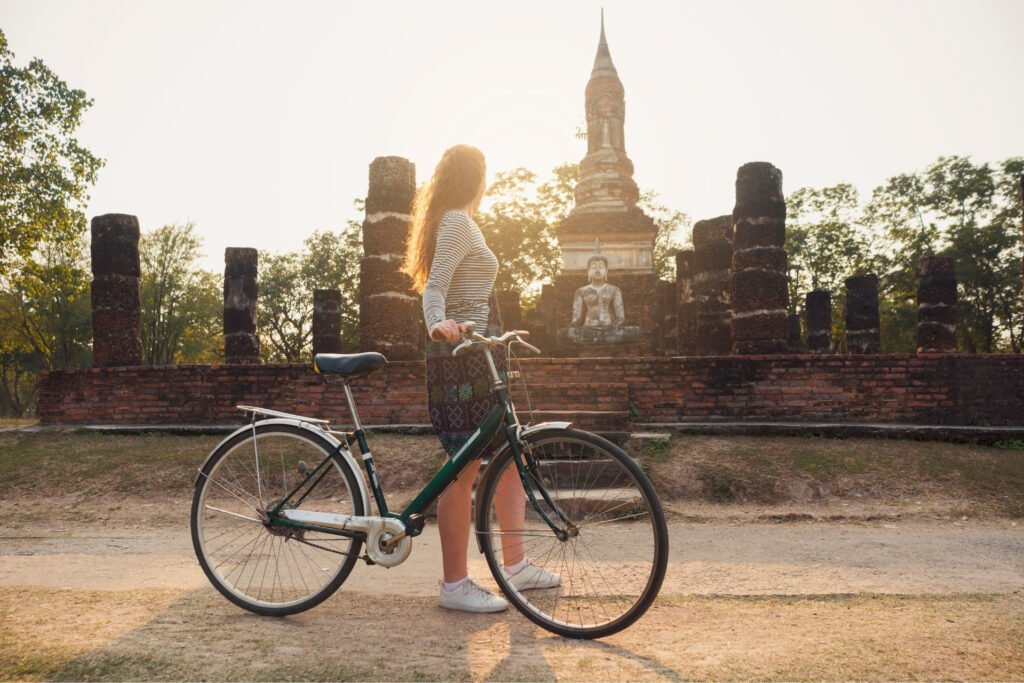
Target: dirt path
[(805, 600), (706, 559)]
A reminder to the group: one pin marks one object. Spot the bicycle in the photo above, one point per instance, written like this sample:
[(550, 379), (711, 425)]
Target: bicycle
[(281, 510)]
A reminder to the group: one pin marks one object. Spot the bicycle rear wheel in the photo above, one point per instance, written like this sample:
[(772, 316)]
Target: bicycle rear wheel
[(612, 565), (270, 569)]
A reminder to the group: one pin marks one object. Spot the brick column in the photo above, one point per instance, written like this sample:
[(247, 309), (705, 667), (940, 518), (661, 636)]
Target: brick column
[(116, 302), (936, 305), (390, 314), (670, 297), (794, 342), (819, 321), (326, 321), (862, 335), (511, 313), (241, 288), (686, 305), (759, 295), (712, 254)]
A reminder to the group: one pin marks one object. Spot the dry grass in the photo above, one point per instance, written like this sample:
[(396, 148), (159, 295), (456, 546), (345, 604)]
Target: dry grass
[(981, 480)]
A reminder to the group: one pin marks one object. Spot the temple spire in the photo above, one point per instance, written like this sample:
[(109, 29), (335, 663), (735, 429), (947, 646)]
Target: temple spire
[(603, 65)]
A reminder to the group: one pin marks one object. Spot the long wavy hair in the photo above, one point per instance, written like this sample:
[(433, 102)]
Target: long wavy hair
[(455, 183)]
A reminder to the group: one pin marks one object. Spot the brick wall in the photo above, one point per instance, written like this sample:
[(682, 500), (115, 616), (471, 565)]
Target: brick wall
[(938, 389)]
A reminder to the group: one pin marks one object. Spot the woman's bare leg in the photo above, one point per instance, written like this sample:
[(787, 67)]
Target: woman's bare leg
[(511, 509), (453, 511)]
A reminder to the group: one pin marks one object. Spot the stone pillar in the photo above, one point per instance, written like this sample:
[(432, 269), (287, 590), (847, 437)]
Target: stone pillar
[(547, 308), (819, 321), (326, 321), (686, 305), (936, 305), (511, 312), (241, 288), (794, 341), (390, 313), (116, 302), (670, 297), (759, 295), (712, 255), (862, 335)]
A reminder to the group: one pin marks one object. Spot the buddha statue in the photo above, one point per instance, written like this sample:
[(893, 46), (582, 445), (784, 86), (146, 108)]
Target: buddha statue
[(597, 304), (597, 310)]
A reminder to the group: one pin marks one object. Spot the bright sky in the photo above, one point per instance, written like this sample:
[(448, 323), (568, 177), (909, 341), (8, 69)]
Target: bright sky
[(258, 118)]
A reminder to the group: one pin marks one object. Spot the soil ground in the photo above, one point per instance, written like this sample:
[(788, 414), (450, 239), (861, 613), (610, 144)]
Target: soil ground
[(792, 558)]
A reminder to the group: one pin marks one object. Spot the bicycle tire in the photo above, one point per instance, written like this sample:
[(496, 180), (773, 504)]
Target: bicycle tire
[(239, 553), (612, 570)]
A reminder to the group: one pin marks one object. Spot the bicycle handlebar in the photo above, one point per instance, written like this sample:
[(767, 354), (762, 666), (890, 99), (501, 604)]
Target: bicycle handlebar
[(471, 337)]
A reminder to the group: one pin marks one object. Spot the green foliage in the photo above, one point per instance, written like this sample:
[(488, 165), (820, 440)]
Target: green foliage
[(45, 319), (181, 303), (970, 212), (328, 260), (519, 222), (44, 172), (672, 225)]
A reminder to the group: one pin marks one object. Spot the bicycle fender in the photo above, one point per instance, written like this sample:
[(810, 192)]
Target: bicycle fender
[(345, 453)]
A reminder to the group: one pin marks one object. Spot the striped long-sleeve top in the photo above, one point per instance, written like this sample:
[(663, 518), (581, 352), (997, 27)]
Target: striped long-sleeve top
[(461, 274)]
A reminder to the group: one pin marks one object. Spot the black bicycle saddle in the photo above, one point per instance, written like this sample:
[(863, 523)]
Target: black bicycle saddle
[(349, 365)]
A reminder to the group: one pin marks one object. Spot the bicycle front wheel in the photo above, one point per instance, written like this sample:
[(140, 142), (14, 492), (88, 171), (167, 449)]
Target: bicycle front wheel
[(610, 567), (266, 568)]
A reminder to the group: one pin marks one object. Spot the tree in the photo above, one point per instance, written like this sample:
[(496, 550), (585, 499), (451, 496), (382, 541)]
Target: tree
[(331, 261), (50, 307), (518, 226), (45, 322), (44, 172), (672, 224), (181, 303), (970, 213), (825, 244), (327, 261)]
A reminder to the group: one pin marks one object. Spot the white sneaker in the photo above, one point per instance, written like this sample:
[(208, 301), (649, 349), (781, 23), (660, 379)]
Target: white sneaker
[(472, 597), (533, 577)]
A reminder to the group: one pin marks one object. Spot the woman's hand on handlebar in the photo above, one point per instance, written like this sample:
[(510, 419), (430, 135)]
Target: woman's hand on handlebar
[(448, 330)]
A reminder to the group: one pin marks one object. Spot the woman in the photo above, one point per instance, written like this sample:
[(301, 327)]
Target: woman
[(449, 262)]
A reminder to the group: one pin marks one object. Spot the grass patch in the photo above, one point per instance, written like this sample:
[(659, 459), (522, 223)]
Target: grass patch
[(768, 470), (824, 465)]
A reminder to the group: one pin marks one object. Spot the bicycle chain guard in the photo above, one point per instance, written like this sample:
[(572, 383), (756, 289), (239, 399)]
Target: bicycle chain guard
[(380, 531)]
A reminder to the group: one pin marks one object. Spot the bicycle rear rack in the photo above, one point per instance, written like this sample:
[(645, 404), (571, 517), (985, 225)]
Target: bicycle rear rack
[(277, 413)]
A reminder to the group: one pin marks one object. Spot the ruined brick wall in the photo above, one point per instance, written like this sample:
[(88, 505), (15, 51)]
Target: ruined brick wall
[(938, 389)]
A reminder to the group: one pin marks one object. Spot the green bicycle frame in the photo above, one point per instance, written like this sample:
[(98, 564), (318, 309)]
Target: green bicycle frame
[(503, 414)]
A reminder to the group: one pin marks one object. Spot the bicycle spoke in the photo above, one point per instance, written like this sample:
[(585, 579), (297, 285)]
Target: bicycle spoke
[(613, 562)]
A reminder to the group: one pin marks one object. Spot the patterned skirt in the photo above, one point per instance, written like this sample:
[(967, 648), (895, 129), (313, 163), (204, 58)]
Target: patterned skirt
[(459, 387)]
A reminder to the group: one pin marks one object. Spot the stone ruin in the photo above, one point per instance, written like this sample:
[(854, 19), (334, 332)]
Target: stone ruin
[(326, 321), (729, 297), (712, 269), (116, 302), (390, 312), (759, 295), (241, 289)]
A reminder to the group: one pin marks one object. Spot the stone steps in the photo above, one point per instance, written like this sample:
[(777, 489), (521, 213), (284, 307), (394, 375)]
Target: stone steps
[(592, 406)]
